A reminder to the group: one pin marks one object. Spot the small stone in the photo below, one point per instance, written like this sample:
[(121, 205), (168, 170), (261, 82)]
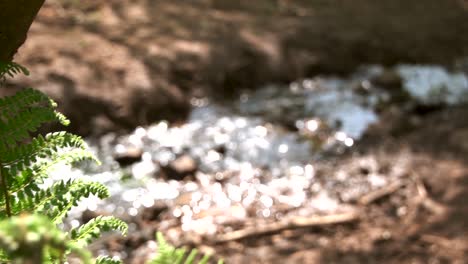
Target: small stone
[(182, 167), (130, 156)]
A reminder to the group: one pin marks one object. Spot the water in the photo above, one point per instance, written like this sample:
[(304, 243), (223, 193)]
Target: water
[(261, 155), (434, 85)]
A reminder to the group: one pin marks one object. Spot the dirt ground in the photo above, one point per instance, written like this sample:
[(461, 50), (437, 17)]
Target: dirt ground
[(422, 221), (112, 65), (420, 218)]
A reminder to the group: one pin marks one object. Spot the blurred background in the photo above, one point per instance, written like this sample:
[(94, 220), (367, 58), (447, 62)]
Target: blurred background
[(267, 131)]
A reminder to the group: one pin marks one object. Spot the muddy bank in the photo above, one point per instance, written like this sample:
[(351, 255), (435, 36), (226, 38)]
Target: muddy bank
[(113, 65)]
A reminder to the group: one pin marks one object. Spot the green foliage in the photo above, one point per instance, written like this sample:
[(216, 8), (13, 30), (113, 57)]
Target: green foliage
[(83, 235), (168, 254), (10, 69), (34, 237), (24, 164)]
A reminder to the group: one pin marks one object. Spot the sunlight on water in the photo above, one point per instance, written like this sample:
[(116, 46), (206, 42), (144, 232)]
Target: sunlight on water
[(257, 156)]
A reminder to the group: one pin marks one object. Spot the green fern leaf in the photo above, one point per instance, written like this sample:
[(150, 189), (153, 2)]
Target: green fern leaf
[(168, 254), (24, 164), (83, 235), (40, 147), (107, 260), (11, 69), (32, 176)]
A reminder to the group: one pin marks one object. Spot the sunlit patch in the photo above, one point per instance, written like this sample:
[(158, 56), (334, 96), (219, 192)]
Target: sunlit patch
[(155, 132), (75, 223), (140, 132), (341, 136), (323, 202), (265, 212), (213, 156), (162, 190), (234, 192), (147, 201), (120, 149), (296, 170), (92, 206), (312, 125), (177, 212), (142, 169), (309, 171), (131, 195), (308, 84), (136, 204), (283, 148), (261, 131), (132, 211), (135, 140), (266, 201), (349, 142)]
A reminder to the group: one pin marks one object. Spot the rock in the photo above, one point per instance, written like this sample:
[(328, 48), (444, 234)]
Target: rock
[(130, 156), (152, 214), (182, 167)]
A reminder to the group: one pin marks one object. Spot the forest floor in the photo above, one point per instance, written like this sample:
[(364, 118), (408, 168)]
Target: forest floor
[(112, 65), (421, 221), (421, 218)]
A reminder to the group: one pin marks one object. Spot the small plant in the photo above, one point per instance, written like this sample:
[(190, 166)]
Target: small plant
[(29, 212), (168, 254)]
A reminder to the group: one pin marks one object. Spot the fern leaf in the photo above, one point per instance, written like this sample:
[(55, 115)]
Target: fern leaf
[(107, 260), (11, 69), (168, 254), (40, 147), (57, 200), (33, 175), (83, 235), (18, 127), (24, 113), (76, 192)]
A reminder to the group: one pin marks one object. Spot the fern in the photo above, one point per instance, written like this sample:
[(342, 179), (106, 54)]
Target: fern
[(34, 237), (24, 164), (168, 254), (83, 235), (10, 69), (106, 260)]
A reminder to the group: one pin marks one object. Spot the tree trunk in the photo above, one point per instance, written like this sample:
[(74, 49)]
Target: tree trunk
[(16, 17)]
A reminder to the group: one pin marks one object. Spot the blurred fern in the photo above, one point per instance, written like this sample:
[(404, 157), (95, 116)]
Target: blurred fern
[(24, 164), (10, 69), (168, 254)]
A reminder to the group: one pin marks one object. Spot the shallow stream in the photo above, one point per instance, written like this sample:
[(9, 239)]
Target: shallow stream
[(259, 156)]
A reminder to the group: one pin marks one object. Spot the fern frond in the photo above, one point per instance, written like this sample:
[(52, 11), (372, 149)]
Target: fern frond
[(83, 235), (11, 69), (19, 158), (32, 176), (57, 200), (168, 254), (76, 192), (24, 164), (23, 113), (107, 260)]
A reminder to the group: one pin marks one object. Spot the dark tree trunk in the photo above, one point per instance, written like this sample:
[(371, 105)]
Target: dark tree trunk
[(16, 17)]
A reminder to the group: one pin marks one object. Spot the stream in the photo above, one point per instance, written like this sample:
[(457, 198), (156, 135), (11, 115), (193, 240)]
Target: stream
[(260, 156)]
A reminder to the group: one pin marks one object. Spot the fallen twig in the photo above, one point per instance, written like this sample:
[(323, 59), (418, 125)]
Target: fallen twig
[(380, 193), (426, 201), (453, 244), (290, 223)]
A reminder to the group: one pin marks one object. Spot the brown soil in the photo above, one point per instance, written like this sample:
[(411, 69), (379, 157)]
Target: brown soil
[(422, 220), (117, 64)]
